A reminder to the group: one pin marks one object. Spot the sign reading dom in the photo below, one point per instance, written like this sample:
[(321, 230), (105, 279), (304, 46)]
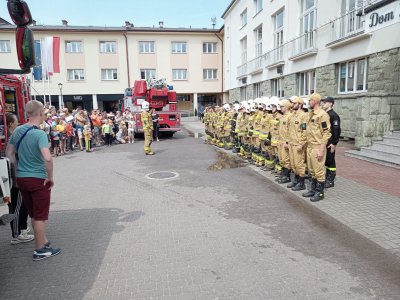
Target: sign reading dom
[(380, 19)]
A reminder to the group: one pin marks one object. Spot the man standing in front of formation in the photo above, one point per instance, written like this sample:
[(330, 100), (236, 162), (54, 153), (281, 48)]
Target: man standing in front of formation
[(330, 162), (318, 132), (147, 123)]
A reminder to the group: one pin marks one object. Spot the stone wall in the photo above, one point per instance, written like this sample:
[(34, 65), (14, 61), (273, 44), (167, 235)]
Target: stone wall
[(290, 86), (234, 95), (327, 80), (266, 88)]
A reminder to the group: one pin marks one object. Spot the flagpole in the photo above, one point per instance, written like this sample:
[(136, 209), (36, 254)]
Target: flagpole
[(43, 72)]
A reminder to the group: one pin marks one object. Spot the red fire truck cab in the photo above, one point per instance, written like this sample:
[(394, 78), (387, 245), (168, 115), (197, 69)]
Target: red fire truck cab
[(160, 97), (14, 94)]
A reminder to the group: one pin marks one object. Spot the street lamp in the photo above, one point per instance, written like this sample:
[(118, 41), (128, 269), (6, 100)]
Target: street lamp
[(60, 86)]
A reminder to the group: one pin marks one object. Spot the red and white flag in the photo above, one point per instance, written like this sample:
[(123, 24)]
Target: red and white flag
[(51, 56)]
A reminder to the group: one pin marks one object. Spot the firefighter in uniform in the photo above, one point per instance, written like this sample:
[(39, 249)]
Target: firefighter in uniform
[(227, 126), (234, 132), (318, 132), (256, 156), (284, 158), (330, 162), (147, 128), (297, 144), (274, 133)]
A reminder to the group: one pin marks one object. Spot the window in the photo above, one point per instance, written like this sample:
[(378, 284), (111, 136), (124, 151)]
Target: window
[(277, 87), (109, 74), (258, 5), (278, 35), (75, 74), (278, 40), (243, 93), (257, 90), (179, 74), (209, 47), (178, 47), (5, 47), (147, 73), (351, 21), (108, 47), (243, 46), (146, 47), (209, 74), (258, 39), (353, 76), (243, 17), (307, 23), (306, 83), (73, 47)]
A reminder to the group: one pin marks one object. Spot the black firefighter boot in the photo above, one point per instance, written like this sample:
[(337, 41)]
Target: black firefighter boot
[(294, 182), (285, 178), (311, 192), (300, 185), (319, 192), (330, 179), (278, 178)]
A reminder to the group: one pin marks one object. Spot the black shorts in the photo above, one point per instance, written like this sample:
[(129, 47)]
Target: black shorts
[(56, 143)]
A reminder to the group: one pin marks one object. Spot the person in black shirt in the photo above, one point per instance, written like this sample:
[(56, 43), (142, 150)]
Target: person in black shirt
[(330, 162), (156, 127)]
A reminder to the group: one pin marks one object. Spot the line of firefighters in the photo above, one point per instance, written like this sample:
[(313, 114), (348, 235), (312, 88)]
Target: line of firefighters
[(292, 135)]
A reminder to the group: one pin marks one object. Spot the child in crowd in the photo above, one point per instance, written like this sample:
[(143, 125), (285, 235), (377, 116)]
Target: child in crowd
[(56, 135), (131, 135), (70, 133), (87, 133), (107, 131)]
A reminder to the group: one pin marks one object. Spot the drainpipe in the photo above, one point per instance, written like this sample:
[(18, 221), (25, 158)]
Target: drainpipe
[(127, 59), (222, 71)]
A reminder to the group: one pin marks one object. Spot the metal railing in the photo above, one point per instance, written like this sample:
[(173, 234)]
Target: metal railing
[(303, 43), (242, 70), (274, 56), (347, 25), (256, 64)]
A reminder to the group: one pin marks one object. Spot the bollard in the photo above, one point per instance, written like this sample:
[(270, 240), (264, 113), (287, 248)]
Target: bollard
[(196, 135)]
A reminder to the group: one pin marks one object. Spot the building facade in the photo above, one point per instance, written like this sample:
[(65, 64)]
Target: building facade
[(98, 63), (348, 49)]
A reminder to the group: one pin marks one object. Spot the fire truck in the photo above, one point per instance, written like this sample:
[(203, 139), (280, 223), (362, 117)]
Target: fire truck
[(14, 94), (161, 97)]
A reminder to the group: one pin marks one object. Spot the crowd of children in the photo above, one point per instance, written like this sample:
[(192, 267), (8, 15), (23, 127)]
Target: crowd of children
[(80, 130)]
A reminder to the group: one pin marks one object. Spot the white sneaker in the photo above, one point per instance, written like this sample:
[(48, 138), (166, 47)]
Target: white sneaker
[(27, 230), (22, 238)]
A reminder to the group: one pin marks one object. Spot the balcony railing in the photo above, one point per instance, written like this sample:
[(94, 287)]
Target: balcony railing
[(242, 70), (303, 44), (256, 64), (347, 26), (275, 56)]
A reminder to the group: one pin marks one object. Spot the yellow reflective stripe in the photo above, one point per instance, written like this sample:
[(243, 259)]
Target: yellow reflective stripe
[(332, 169)]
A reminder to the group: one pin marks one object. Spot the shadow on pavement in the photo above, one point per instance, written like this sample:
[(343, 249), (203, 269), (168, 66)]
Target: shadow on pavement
[(83, 235)]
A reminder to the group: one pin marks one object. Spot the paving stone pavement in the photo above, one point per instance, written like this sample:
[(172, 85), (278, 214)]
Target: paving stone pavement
[(196, 236), (370, 212)]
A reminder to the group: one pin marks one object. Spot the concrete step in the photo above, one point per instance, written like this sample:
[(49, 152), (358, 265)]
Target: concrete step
[(391, 139), (385, 155), (385, 147), (374, 158)]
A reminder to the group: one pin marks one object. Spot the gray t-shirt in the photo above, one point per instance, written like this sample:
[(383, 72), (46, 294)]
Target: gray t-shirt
[(31, 161)]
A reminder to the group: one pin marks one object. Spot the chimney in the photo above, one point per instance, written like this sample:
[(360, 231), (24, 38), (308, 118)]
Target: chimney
[(64, 22), (161, 24), (33, 22)]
